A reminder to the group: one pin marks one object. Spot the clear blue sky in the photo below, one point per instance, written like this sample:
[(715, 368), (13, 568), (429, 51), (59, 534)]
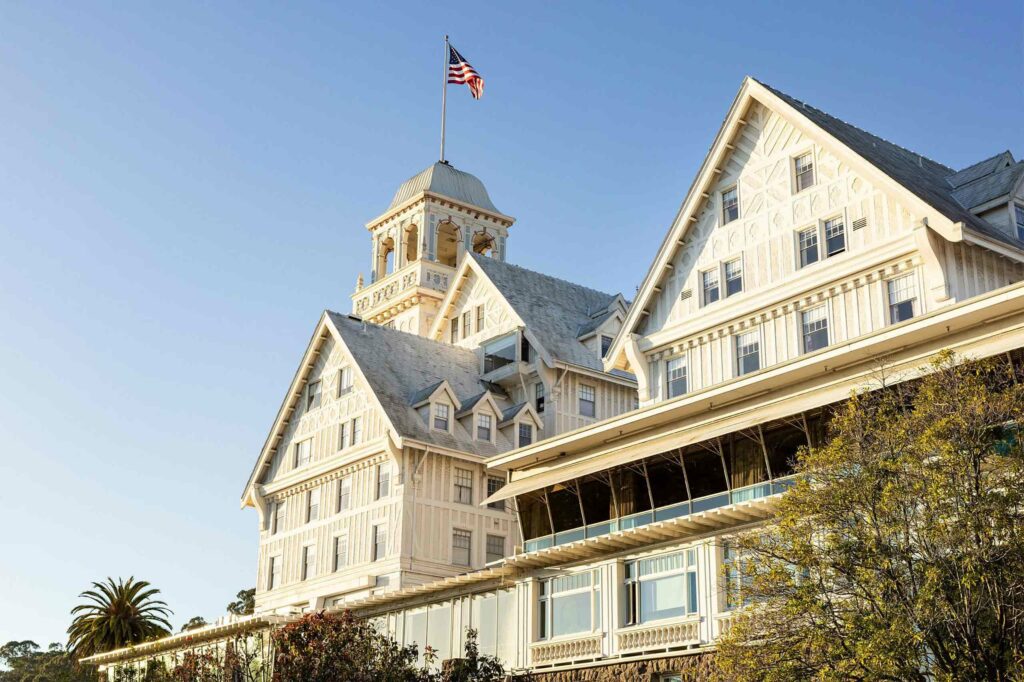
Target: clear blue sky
[(183, 189)]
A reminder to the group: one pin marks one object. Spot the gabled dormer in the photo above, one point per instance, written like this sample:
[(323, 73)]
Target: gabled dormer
[(521, 425), (436, 404), (480, 416)]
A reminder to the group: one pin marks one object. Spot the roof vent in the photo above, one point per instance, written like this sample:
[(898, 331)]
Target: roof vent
[(685, 294), (859, 223)]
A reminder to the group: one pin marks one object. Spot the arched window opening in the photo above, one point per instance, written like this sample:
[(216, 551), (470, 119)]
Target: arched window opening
[(447, 244), (385, 257), (483, 244), (412, 244)]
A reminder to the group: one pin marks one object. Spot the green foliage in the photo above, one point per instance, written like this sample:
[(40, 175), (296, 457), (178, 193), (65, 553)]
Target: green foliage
[(900, 553), (244, 604), (115, 615), (194, 623), (473, 667), (25, 662)]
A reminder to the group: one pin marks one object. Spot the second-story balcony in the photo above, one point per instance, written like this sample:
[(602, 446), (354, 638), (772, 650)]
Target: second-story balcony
[(376, 301)]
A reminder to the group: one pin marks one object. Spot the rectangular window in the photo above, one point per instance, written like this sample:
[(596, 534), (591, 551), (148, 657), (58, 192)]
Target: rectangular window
[(313, 395), (730, 205), (308, 562), (357, 431), (340, 552), (1018, 211), (499, 353), (483, 427), (494, 484), (814, 328), (835, 236), (661, 587), (733, 277), (676, 377), (462, 541), (467, 324), (380, 542), (902, 298), (440, 416), (342, 436), (344, 381), (453, 326), (807, 241), (570, 604), (313, 505), (383, 481), (748, 352), (588, 401), (538, 396), (606, 345), (302, 452), (525, 434), (277, 523), (803, 168), (274, 573), (480, 319), (709, 286), (495, 548), (345, 494), (463, 486)]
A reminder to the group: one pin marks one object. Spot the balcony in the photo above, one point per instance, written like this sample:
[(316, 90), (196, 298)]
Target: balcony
[(566, 650), (670, 635), (374, 303), (675, 511)]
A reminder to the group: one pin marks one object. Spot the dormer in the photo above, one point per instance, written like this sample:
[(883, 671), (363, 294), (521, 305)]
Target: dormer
[(521, 425), (480, 416), (605, 322), (436, 405), (993, 190)]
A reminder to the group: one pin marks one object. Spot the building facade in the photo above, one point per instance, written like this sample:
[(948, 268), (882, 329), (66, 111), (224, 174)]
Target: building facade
[(806, 255)]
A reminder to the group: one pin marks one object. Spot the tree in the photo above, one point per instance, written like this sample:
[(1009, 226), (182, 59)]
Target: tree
[(194, 623), (115, 615), (245, 603), (899, 554), (473, 667), (25, 662)]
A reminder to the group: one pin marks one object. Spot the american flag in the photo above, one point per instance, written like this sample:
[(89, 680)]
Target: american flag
[(460, 71)]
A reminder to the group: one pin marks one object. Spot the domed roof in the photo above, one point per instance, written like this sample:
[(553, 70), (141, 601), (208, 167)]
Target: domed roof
[(442, 178)]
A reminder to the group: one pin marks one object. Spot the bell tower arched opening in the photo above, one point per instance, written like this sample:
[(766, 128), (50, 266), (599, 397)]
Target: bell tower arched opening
[(385, 257), (448, 244), (411, 247), (483, 243)]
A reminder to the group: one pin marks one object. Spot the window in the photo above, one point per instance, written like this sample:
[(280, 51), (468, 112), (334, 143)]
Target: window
[(570, 604), (462, 541), (733, 277), (440, 416), (342, 436), (748, 352), (340, 552), (525, 434), (495, 548), (380, 541), (480, 319), (835, 236), (313, 505), (494, 484), (588, 401), (454, 326), (709, 286), (313, 395), (803, 169), (344, 381), (730, 205), (302, 452), (499, 353), (902, 298), (524, 348), (467, 324), (356, 431), (277, 522), (345, 494), (274, 573), (308, 562), (735, 582), (383, 481), (675, 377), (814, 326), (661, 587), (483, 427), (1018, 212), (463, 486), (606, 345), (538, 396), (807, 241)]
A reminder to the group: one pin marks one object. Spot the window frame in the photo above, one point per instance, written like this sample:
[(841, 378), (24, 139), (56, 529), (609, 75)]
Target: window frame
[(1018, 219), (313, 504), (462, 485), (738, 261), (494, 484), (382, 487), (481, 318), (278, 518), (344, 375), (512, 339), (581, 400), (738, 359), (274, 571), (340, 541), (723, 215), (344, 496), (467, 535), (684, 361), (487, 548), (519, 434), (705, 288), (467, 324), (314, 395), (841, 219), (308, 561), (605, 347), (355, 431), (299, 461), (436, 410), (795, 171), (453, 330), (547, 597), (378, 541), (633, 581), (478, 427), (803, 328), (914, 300), (814, 231), (539, 397)]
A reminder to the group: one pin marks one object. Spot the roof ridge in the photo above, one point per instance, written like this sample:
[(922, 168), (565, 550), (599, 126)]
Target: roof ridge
[(481, 258), (1013, 165), (952, 171)]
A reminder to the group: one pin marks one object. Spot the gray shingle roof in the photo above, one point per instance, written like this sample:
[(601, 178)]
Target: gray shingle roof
[(981, 169), (553, 310), (923, 177), (443, 178), (988, 187), (401, 367)]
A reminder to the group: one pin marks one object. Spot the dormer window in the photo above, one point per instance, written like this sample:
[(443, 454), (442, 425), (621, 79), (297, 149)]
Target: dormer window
[(499, 353), (730, 205), (1019, 213), (344, 381), (484, 426), (525, 434), (606, 345), (803, 170), (441, 412), (313, 395)]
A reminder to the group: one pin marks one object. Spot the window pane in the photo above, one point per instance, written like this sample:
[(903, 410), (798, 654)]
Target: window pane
[(538, 392), (804, 167), (461, 543), (440, 416), (483, 427), (499, 353), (730, 206), (808, 242), (525, 435), (463, 486), (709, 285), (454, 327), (494, 484), (570, 613), (588, 397), (1019, 211), (815, 329), (902, 298), (662, 598), (495, 547), (313, 396), (676, 375), (835, 236), (748, 353), (733, 277)]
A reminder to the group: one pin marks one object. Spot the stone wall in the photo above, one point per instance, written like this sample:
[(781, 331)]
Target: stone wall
[(692, 668)]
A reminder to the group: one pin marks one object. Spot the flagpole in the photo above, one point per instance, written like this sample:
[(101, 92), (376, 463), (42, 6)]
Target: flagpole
[(444, 95)]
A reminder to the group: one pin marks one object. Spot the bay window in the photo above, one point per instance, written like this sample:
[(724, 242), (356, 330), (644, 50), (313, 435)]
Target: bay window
[(499, 353), (570, 604), (661, 587)]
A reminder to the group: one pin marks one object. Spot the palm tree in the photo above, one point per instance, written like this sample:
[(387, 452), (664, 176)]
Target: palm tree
[(117, 614)]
